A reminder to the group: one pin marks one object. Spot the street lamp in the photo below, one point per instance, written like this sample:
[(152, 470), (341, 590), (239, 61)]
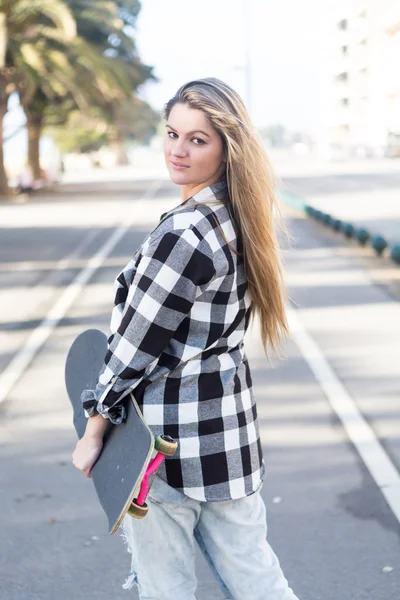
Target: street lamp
[(246, 4), (246, 65)]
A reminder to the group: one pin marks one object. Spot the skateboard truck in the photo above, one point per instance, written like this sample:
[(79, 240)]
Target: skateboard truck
[(164, 446)]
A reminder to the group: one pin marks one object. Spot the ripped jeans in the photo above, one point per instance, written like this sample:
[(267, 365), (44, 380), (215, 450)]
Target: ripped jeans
[(231, 534)]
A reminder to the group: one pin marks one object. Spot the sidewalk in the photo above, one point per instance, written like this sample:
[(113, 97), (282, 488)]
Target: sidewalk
[(364, 192)]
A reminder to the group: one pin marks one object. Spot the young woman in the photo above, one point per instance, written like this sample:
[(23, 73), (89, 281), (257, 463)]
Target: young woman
[(182, 307)]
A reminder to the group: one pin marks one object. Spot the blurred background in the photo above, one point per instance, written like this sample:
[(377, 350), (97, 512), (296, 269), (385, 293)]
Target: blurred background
[(84, 83), (83, 180)]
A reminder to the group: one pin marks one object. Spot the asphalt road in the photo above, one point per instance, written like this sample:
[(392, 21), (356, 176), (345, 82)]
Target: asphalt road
[(328, 519)]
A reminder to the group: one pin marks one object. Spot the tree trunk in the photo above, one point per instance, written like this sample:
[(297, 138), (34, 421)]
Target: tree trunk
[(34, 125), (120, 150), (117, 137), (3, 39), (4, 189)]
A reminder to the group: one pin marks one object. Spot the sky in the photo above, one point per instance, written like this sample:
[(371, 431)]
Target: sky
[(285, 42), (184, 40)]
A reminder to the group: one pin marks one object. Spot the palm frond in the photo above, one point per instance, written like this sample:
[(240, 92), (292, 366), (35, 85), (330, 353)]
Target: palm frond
[(57, 12)]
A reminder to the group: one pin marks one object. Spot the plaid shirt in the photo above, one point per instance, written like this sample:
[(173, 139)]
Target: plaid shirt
[(181, 310)]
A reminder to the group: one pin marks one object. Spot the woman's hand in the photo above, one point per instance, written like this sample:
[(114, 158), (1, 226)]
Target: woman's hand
[(86, 453)]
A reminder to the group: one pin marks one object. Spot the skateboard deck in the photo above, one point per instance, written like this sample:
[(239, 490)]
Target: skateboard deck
[(122, 468)]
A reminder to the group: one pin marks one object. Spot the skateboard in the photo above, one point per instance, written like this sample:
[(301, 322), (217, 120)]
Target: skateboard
[(125, 469)]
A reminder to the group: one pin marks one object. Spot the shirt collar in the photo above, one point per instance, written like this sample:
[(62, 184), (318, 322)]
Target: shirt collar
[(216, 190)]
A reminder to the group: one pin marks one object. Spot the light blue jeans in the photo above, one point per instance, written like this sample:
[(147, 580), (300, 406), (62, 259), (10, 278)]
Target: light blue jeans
[(231, 534)]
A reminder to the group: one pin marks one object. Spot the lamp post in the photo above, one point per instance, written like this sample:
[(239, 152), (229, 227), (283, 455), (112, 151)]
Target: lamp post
[(246, 4), (245, 67)]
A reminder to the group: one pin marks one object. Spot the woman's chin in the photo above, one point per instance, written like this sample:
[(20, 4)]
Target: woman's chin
[(180, 178)]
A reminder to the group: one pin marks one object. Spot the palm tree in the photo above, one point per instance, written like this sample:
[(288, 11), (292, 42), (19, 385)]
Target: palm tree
[(91, 73), (78, 78), (114, 39), (26, 26), (64, 55)]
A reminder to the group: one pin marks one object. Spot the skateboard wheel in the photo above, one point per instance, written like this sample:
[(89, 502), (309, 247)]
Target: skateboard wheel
[(136, 511), (165, 445)]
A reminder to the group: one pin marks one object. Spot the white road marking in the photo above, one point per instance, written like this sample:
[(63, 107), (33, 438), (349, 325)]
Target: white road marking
[(68, 262), (378, 463), (40, 334), (53, 265)]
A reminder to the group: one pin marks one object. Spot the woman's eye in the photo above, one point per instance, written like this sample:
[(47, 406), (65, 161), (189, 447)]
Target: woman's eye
[(201, 142)]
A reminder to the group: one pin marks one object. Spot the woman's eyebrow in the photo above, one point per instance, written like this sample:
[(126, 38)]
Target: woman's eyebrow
[(190, 132)]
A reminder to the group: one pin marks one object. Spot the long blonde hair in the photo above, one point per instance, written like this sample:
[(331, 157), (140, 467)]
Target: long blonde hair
[(251, 184)]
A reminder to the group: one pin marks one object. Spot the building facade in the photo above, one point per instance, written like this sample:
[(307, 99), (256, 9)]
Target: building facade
[(362, 78)]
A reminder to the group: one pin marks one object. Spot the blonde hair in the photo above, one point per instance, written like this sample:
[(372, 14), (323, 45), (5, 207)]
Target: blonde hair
[(251, 183)]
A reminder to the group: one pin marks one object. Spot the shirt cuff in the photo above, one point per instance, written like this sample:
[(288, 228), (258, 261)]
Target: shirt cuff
[(115, 414)]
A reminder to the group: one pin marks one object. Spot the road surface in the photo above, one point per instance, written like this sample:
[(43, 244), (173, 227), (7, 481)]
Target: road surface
[(329, 520)]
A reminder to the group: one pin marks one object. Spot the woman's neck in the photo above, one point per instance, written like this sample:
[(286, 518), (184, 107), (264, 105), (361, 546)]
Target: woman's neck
[(188, 190)]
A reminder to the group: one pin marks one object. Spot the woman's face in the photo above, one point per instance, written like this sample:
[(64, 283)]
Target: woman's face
[(193, 149)]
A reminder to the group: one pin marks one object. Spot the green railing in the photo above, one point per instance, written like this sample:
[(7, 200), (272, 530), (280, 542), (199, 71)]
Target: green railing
[(361, 234)]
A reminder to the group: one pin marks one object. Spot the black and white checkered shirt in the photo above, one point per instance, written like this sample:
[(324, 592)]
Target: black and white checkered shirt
[(181, 311)]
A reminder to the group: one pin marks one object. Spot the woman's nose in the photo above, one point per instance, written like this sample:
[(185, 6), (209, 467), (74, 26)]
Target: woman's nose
[(179, 148)]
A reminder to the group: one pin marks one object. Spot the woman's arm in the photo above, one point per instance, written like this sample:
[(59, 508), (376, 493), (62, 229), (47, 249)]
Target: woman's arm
[(171, 273), (96, 426), (89, 447)]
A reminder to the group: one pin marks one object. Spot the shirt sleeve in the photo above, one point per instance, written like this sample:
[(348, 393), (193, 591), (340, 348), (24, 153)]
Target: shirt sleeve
[(172, 272)]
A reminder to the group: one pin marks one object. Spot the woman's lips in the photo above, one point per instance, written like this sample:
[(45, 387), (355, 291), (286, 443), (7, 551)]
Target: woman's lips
[(178, 166)]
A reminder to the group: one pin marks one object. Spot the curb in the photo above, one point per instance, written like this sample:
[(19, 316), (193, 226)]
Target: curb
[(377, 241)]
